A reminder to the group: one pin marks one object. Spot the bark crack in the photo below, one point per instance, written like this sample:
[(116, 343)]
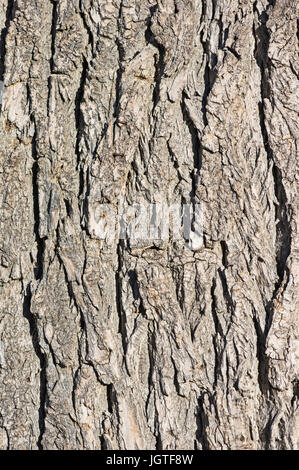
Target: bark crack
[(87, 28), (10, 10), (202, 424), (159, 59), (283, 228), (210, 73), (40, 242), (118, 294), (32, 320), (196, 147), (53, 33), (119, 73)]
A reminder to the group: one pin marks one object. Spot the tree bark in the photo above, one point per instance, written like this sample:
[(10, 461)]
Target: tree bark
[(147, 344)]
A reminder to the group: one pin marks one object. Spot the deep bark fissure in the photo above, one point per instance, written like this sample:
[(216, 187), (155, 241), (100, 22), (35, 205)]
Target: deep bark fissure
[(10, 10), (79, 118), (263, 361), (120, 71), (159, 59), (78, 112), (283, 228), (75, 384), (118, 80), (110, 398), (218, 333), (226, 293), (40, 242), (83, 176), (87, 28), (53, 33), (202, 424), (295, 397), (210, 74), (196, 147), (32, 320), (152, 348), (118, 300), (159, 71)]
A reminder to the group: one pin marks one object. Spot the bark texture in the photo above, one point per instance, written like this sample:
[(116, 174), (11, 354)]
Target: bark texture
[(123, 345)]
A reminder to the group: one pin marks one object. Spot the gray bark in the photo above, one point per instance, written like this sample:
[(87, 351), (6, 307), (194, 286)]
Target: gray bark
[(144, 345)]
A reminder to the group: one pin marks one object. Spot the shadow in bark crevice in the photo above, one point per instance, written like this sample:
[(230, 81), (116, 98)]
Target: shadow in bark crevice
[(32, 320)]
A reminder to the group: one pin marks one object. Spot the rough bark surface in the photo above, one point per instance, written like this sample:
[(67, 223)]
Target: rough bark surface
[(123, 345)]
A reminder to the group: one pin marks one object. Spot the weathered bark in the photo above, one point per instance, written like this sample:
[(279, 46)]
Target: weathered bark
[(123, 345)]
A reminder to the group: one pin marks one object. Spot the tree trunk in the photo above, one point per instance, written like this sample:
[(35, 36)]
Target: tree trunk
[(146, 343)]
